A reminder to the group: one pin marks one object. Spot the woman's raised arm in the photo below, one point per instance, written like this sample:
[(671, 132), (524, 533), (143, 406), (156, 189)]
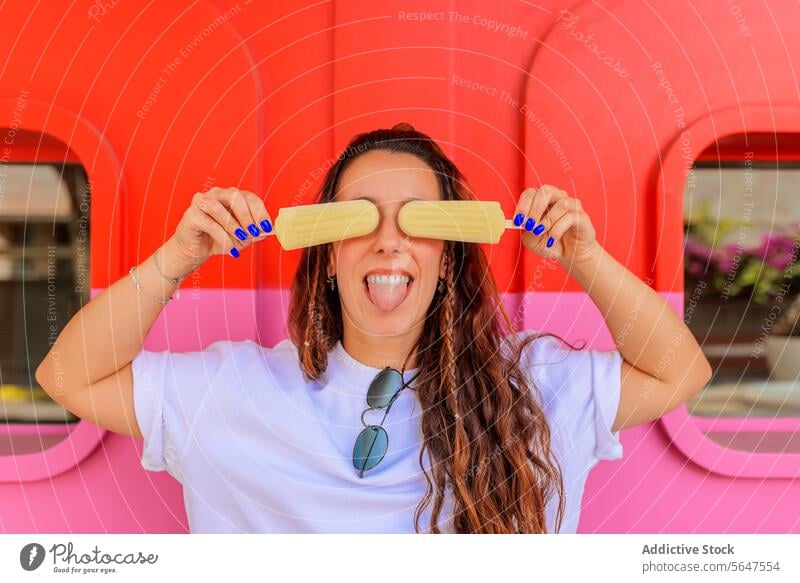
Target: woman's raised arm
[(88, 367)]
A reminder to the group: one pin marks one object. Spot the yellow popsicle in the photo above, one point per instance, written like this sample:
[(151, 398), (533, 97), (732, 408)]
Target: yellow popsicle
[(470, 221), (315, 224)]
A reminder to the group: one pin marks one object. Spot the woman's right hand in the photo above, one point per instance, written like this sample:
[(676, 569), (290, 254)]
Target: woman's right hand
[(220, 220)]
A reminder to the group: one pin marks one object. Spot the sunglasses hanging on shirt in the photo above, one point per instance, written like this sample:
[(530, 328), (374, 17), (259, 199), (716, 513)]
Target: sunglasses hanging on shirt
[(373, 442)]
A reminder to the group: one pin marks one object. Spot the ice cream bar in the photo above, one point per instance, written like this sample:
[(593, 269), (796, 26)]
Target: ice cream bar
[(315, 224), (470, 221)]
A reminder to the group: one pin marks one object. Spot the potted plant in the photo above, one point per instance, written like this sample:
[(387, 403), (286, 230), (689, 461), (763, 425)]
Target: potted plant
[(782, 346), (760, 273), (754, 288)]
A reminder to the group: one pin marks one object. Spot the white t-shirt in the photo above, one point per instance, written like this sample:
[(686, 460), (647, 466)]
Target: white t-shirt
[(258, 448)]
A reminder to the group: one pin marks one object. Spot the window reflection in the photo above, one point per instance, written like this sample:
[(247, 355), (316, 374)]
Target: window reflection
[(44, 280), (742, 278)]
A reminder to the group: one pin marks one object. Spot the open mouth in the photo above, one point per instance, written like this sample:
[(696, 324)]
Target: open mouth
[(387, 292)]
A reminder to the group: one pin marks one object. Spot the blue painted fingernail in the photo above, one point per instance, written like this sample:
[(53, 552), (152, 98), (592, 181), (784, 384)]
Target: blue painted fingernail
[(235, 252), (518, 219), (529, 224), (266, 226), (241, 234), (538, 230), (550, 241), (253, 230)]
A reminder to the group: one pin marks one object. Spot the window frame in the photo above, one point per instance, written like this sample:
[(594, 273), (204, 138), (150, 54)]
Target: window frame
[(62, 136), (687, 432)]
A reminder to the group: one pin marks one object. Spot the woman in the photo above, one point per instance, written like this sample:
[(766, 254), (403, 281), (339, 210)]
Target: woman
[(477, 430)]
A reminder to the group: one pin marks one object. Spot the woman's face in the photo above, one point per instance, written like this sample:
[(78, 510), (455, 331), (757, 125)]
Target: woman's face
[(387, 306)]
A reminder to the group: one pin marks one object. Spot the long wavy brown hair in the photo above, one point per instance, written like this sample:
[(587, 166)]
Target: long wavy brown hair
[(486, 435)]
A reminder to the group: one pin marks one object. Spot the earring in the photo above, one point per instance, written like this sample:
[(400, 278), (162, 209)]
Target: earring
[(332, 282)]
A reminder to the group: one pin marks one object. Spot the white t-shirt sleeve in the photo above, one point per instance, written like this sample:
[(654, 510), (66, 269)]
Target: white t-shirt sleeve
[(581, 392), (168, 389)]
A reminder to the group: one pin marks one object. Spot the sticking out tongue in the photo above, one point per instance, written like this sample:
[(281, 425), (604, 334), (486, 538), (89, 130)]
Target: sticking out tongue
[(387, 296)]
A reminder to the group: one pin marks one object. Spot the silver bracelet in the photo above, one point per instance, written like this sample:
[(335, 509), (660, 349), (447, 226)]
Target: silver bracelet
[(141, 289), (175, 280)]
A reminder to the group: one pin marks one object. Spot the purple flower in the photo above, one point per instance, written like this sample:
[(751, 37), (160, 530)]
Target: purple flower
[(697, 257), (776, 250), (730, 257), (697, 248), (696, 269)]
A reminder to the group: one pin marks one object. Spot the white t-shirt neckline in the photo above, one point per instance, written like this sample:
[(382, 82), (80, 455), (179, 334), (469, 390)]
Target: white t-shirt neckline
[(356, 371), (340, 396)]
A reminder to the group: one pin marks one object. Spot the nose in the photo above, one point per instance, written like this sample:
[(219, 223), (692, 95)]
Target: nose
[(389, 238)]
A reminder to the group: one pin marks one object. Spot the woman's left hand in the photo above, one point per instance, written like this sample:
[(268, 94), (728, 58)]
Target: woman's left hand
[(550, 215)]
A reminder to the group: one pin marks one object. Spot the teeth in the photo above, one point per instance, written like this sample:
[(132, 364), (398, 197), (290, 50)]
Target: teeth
[(388, 279)]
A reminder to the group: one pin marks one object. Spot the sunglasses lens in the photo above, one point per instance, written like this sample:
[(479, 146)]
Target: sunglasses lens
[(370, 447), (383, 389)]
